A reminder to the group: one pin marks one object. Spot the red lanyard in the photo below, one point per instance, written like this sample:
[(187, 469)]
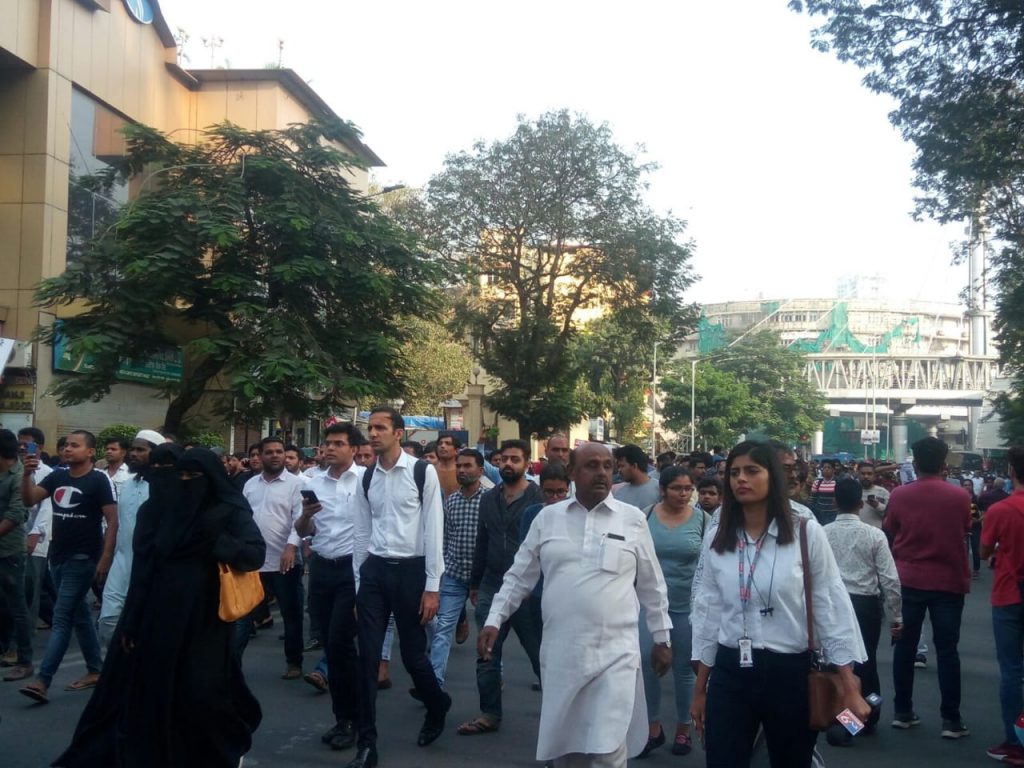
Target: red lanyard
[(741, 545)]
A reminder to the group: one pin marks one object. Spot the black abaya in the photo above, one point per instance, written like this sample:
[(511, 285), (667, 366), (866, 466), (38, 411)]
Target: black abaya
[(177, 698)]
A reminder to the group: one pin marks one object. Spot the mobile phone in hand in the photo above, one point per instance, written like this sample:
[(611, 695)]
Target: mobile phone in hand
[(309, 496), (31, 448)]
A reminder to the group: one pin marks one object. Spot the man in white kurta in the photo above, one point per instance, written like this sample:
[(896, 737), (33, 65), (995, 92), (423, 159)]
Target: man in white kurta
[(599, 567)]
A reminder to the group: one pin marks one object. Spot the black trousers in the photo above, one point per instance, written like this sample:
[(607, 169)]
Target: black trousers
[(773, 694), (869, 616), (332, 602), (389, 586)]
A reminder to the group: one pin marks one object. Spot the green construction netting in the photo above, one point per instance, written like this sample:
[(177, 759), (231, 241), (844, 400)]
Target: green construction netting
[(837, 337)]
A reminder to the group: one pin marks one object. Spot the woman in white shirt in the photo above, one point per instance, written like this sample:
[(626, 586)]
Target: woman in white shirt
[(750, 622)]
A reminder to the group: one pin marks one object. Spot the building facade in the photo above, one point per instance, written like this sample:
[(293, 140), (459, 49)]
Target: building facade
[(72, 74)]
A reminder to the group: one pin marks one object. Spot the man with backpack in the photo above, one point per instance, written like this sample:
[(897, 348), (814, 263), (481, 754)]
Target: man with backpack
[(400, 572)]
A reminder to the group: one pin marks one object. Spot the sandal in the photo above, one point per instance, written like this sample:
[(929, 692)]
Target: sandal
[(84, 684), (35, 691), (477, 726)]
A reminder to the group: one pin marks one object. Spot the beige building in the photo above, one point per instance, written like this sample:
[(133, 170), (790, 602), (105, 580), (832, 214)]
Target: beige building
[(72, 72)]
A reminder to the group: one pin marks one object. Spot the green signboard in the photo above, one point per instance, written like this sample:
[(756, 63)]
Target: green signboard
[(163, 366)]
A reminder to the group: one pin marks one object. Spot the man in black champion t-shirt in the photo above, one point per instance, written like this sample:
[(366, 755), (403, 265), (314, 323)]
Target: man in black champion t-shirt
[(80, 553)]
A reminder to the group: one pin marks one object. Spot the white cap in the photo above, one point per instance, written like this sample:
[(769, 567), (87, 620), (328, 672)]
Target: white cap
[(152, 436)]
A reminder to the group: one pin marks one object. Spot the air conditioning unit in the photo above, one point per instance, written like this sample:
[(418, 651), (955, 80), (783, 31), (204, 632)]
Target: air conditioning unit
[(21, 357)]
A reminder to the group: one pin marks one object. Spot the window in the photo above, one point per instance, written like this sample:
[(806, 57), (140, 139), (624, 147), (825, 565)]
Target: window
[(96, 142)]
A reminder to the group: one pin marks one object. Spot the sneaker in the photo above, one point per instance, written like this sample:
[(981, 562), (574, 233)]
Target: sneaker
[(921, 661), (905, 720), (1006, 751), (954, 729)]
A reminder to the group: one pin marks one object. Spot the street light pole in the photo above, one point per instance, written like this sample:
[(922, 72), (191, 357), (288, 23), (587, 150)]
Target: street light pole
[(693, 403), (654, 404)]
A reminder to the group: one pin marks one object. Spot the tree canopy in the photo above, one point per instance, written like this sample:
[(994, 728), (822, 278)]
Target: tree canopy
[(252, 251), (550, 229), (956, 71), (755, 384)]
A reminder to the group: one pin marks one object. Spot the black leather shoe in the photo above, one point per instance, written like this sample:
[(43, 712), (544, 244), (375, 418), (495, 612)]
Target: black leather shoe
[(653, 742), (345, 738), (433, 723), (333, 731), (366, 757)]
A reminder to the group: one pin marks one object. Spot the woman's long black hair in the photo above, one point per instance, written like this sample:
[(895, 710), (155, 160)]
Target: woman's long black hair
[(731, 520)]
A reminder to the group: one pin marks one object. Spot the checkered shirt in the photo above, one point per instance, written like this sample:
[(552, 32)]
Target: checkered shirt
[(460, 520)]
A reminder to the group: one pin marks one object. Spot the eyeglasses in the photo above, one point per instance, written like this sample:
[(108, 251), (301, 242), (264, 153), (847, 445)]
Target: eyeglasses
[(555, 493)]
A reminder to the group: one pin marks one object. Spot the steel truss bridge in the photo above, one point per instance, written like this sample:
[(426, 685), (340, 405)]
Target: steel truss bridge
[(847, 377)]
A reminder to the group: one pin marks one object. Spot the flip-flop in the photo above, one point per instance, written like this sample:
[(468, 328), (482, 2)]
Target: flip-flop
[(35, 693), (84, 684), (476, 727)]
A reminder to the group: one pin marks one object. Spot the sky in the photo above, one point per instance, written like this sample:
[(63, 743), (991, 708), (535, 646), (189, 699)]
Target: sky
[(785, 167)]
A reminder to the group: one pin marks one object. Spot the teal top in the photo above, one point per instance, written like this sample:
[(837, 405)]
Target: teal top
[(678, 551)]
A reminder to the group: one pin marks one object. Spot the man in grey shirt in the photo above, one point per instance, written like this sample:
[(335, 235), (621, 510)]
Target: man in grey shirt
[(637, 487)]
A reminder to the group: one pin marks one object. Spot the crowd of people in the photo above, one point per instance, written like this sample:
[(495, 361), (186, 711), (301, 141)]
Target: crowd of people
[(733, 571)]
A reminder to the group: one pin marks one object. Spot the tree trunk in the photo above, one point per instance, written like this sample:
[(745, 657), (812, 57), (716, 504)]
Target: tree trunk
[(192, 388)]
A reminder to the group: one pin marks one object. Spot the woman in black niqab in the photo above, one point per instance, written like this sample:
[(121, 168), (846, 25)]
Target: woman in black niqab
[(172, 692)]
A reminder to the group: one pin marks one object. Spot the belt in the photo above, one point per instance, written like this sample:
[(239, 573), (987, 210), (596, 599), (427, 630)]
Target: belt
[(343, 560), (397, 560)]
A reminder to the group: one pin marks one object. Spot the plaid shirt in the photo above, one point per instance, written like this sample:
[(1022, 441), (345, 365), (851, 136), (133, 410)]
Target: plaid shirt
[(460, 521)]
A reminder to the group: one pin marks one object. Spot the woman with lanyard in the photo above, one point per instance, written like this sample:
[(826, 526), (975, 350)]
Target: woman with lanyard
[(749, 621), (677, 530)]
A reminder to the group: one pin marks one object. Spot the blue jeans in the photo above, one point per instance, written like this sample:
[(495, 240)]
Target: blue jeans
[(488, 673), (945, 610), (452, 600), (73, 579), (1008, 628), (682, 672)]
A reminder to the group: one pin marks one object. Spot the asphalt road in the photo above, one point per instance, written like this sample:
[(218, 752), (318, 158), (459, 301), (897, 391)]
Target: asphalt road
[(295, 715)]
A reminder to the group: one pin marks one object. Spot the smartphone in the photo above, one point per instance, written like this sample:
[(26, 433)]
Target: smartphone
[(31, 449), (871, 497), (850, 722), (309, 496)]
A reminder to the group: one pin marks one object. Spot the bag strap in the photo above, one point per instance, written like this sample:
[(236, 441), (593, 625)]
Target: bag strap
[(806, 562), (367, 476), (419, 474)]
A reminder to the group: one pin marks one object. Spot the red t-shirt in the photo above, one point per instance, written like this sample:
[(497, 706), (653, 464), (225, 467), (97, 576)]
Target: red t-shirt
[(1003, 524), (927, 521)]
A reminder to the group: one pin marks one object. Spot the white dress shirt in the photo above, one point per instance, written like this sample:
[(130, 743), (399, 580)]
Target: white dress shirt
[(717, 613), (276, 505), (865, 562), (398, 525), (343, 505), (40, 516)]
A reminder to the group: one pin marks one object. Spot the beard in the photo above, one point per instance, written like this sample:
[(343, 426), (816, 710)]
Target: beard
[(511, 475), (865, 483)]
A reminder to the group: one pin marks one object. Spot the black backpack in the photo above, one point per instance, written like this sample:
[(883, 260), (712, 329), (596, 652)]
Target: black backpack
[(419, 474)]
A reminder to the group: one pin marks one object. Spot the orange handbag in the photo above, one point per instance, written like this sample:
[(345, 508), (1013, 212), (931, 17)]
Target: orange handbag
[(240, 592)]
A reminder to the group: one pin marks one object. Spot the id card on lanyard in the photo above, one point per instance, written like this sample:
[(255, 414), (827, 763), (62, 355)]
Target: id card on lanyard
[(746, 645)]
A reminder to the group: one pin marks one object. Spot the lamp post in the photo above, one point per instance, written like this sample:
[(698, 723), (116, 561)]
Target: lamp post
[(693, 402), (654, 404)]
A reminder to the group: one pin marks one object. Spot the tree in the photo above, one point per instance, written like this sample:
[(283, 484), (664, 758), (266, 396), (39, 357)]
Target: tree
[(956, 71), (724, 407), (546, 226), (755, 384), (252, 250), (438, 365)]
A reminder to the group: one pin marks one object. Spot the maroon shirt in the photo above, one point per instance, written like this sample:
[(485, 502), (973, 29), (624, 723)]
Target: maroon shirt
[(926, 520)]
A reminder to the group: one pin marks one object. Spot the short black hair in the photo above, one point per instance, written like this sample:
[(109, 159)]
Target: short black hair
[(929, 455), (456, 443), (430, 447), (554, 470), (90, 438), (475, 454), (1015, 458), (633, 454), (253, 447), (868, 464), (122, 442), (700, 458), (240, 455), (710, 482), (35, 433), (293, 447), (417, 448), (350, 430), (8, 445), (522, 445), (269, 440), (848, 495), (397, 422)]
